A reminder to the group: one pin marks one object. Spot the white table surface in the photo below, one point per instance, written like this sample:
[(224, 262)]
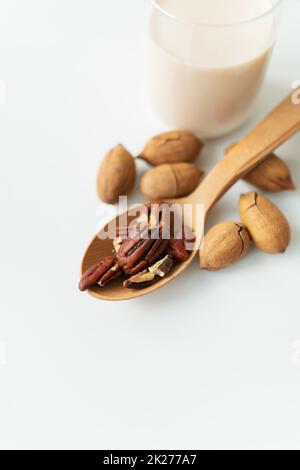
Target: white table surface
[(210, 361)]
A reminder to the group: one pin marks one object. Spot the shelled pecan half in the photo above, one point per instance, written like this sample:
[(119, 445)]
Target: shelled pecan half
[(135, 255), (100, 273), (177, 246), (152, 274)]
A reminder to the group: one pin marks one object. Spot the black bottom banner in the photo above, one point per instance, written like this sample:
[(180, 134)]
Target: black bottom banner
[(126, 458)]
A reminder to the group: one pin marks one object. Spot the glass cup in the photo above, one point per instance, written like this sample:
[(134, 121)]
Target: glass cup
[(206, 60)]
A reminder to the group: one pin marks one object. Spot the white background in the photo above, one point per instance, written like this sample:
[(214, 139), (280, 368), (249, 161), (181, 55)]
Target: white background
[(210, 361)]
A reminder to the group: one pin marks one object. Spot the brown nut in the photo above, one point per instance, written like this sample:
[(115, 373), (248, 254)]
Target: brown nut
[(157, 249), (224, 244), (146, 241), (172, 147), (116, 175), (268, 227), (112, 273), (100, 273), (177, 249), (271, 175), (170, 180), (162, 267), (140, 280), (136, 254), (133, 251), (151, 275)]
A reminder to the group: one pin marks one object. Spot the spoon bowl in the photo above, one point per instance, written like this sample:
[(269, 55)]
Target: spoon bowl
[(101, 247), (276, 128)]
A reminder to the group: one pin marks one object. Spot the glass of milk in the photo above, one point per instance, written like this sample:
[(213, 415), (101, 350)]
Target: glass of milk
[(206, 60)]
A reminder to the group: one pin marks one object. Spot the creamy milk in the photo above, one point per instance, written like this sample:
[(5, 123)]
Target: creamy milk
[(205, 77)]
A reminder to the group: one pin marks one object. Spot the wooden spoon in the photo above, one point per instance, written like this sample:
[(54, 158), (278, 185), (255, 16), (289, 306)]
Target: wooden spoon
[(272, 131)]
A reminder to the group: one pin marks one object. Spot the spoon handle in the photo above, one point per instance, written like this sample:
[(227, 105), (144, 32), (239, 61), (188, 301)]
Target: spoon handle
[(272, 131)]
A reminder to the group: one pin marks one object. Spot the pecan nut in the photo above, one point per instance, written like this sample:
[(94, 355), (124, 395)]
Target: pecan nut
[(150, 275), (132, 251), (158, 248), (138, 252), (111, 274), (176, 248), (140, 280), (100, 273)]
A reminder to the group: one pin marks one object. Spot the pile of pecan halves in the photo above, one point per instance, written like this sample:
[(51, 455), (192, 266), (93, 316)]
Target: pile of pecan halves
[(142, 255)]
